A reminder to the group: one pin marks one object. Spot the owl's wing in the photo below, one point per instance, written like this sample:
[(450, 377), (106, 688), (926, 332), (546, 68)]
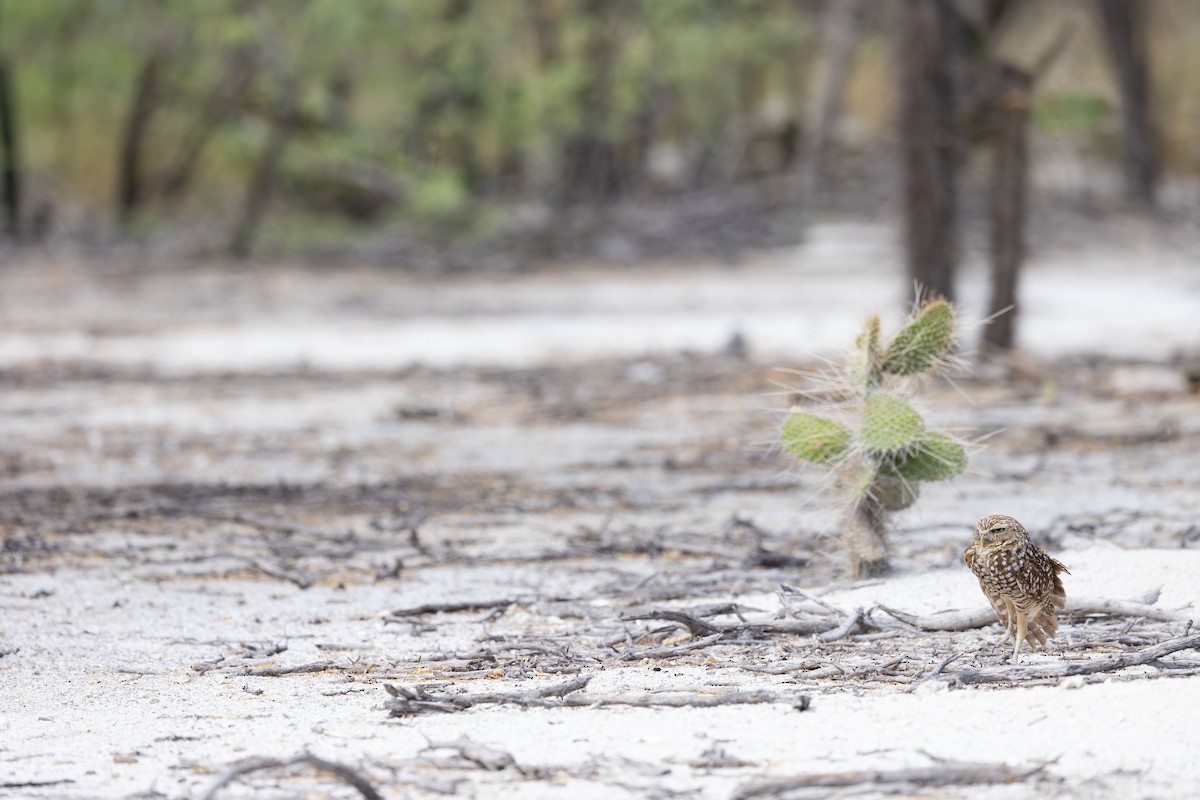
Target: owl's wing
[(971, 559), (1000, 607), (979, 566)]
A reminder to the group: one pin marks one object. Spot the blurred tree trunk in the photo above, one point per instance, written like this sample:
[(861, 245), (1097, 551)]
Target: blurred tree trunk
[(218, 107), (9, 161), (61, 81), (266, 173), (655, 101), (8, 142), (146, 94), (442, 130), (839, 35), (546, 16), (340, 90), (929, 143), (1124, 25), (590, 166), (1010, 169)]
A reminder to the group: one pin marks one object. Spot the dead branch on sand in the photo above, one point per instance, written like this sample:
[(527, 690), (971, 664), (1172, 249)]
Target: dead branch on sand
[(412, 700), (1104, 663), (340, 770), (948, 773), (437, 608), (1140, 607), (752, 630)]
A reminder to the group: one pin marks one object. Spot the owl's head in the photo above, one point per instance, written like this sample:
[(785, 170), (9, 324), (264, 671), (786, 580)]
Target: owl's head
[(997, 529)]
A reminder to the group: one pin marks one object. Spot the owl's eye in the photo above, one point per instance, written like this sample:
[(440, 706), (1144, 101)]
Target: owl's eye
[(998, 529)]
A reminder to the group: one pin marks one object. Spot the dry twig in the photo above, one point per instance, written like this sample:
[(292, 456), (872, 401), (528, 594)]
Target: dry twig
[(800, 702), (852, 622), (1103, 607), (1076, 607), (697, 627), (340, 770), (276, 672), (1105, 663), (34, 784), (944, 774), (436, 608), (411, 700), (408, 700), (673, 650), (758, 630), (786, 589), (489, 758)]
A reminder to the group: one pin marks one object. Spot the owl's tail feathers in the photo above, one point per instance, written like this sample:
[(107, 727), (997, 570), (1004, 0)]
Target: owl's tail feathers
[(1043, 623), (1059, 595)]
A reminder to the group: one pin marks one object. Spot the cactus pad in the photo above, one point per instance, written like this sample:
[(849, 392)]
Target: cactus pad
[(867, 357), (921, 343), (936, 457), (889, 423), (814, 438), (894, 494)]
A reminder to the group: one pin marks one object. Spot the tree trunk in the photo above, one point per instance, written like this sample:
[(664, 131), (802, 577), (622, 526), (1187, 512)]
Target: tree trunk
[(1124, 24), (590, 166), (266, 173), (218, 107), (61, 79), (130, 177), (547, 23), (8, 142), (929, 138), (839, 34), (1010, 169)]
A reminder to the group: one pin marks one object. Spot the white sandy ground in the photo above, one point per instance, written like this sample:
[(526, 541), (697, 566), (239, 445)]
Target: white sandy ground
[(1139, 301), (93, 699), (68, 711)]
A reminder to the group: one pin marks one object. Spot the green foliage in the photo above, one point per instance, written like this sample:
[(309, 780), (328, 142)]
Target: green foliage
[(458, 99), (1071, 113), (438, 194), (881, 462), (496, 93)]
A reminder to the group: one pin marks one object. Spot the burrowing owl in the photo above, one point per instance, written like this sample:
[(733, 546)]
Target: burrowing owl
[(1020, 580)]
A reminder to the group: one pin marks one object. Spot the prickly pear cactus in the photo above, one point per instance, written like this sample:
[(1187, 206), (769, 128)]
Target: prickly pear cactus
[(815, 438), (922, 343), (879, 444), (889, 423)]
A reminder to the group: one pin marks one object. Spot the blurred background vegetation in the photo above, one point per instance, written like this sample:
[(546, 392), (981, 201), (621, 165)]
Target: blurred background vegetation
[(524, 129)]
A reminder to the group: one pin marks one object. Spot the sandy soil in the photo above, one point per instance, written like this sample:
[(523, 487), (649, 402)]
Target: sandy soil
[(227, 496)]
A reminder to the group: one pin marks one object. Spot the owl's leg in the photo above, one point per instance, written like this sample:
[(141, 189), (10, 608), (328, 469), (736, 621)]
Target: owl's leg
[(1009, 617), (1022, 629)]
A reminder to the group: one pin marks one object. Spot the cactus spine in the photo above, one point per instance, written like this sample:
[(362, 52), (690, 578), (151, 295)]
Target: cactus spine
[(880, 448)]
